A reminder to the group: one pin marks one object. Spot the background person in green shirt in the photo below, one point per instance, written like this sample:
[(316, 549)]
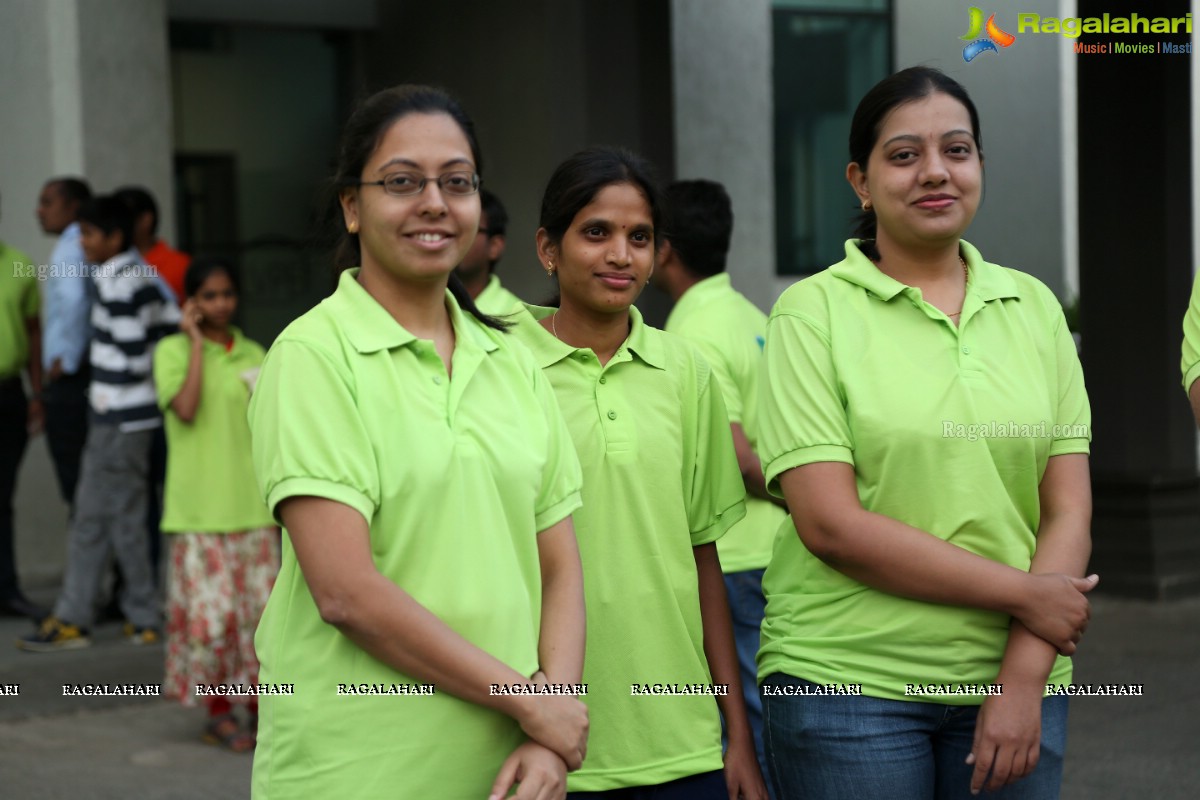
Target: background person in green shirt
[(224, 550), (478, 268), (425, 479), (927, 554), (661, 485), (729, 330), (20, 350), (1190, 363)]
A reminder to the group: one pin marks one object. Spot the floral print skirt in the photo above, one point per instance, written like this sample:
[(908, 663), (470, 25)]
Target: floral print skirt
[(218, 587)]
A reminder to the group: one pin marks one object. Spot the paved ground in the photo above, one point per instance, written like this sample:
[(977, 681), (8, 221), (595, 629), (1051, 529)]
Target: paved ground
[(54, 747)]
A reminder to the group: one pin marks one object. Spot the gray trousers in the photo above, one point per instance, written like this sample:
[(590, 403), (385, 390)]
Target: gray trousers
[(110, 510)]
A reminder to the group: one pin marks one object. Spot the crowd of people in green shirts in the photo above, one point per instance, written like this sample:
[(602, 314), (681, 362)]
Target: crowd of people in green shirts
[(552, 551), (566, 503)]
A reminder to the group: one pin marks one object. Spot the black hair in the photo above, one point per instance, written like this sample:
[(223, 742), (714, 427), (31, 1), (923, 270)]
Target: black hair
[(699, 224), (497, 217), (139, 201), (903, 87), (75, 190), (578, 180), (202, 267), (361, 137), (497, 220), (109, 214)]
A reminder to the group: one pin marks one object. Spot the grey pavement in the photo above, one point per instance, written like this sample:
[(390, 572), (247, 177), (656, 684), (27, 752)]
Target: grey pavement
[(85, 748), (55, 747)]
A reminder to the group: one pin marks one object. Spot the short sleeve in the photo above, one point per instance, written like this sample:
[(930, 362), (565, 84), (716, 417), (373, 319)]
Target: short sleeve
[(307, 434), (170, 368), (1190, 365), (802, 416), (715, 492), (1073, 417), (562, 477)]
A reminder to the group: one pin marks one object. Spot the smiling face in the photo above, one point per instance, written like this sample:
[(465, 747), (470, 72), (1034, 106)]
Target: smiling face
[(924, 175), (417, 238), (606, 255)]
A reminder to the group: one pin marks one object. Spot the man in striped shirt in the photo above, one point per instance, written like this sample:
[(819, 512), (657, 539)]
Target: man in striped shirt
[(129, 316)]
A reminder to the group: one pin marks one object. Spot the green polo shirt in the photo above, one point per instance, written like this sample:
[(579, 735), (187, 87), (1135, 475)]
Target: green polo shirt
[(19, 302), (948, 430), (496, 300), (210, 486), (730, 331), (659, 478), (455, 476), (1190, 365)]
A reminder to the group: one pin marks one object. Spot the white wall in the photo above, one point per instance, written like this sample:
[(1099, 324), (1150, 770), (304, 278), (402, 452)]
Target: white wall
[(85, 88), (723, 125), (1020, 97), (87, 91)]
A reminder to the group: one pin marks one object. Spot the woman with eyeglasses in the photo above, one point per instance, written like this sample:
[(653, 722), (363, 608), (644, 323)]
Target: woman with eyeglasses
[(430, 594), (924, 415), (662, 484)]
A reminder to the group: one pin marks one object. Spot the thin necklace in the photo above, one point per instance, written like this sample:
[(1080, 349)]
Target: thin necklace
[(966, 280), (553, 327)]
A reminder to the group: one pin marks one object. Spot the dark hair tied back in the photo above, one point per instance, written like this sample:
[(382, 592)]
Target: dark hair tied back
[(578, 180), (361, 137), (896, 90), (201, 267)]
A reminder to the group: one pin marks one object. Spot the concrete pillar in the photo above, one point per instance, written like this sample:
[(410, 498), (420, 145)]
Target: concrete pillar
[(86, 90), (721, 63), (1136, 231)]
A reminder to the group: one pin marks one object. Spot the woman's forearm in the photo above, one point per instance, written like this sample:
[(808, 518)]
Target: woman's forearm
[(331, 544), (1064, 545), (894, 557), (563, 625), (187, 400), (719, 647)]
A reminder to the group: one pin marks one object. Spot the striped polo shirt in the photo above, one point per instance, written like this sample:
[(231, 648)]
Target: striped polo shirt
[(129, 317)]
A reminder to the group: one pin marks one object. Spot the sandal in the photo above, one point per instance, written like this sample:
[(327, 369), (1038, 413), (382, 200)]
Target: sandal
[(224, 731)]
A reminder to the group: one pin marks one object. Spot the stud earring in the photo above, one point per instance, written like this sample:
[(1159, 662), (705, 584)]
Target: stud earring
[(352, 228), (549, 269), (866, 205)]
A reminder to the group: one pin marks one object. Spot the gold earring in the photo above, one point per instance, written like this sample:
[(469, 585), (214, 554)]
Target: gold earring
[(866, 205), (352, 228), (549, 269)]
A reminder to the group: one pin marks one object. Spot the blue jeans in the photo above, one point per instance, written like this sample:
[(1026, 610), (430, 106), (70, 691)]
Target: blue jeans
[(705, 786), (746, 607), (837, 746)]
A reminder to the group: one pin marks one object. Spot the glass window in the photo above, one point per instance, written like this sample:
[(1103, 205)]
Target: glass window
[(827, 55)]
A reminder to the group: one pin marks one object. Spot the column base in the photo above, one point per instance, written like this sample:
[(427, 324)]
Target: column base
[(1146, 537)]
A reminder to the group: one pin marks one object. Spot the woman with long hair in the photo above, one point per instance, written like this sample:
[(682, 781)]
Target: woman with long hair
[(420, 467), (224, 545), (661, 485), (924, 415)]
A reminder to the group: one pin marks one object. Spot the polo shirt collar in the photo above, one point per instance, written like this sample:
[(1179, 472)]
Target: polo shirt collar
[(988, 281), (549, 350), (239, 341), (370, 328), (701, 292)]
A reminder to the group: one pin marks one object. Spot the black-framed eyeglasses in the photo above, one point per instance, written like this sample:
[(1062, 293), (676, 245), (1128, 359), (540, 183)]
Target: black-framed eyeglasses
[(407, 184)]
